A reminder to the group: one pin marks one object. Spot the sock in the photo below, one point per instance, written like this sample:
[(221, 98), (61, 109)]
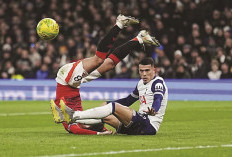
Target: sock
[(92, 76), (120, 25), (98, 112), (105, 44), (138, 39), (75, 129), (122, 51), (89, 121)]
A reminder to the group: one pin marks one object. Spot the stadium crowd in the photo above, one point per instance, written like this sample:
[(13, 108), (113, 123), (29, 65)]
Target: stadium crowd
[(195, 36)]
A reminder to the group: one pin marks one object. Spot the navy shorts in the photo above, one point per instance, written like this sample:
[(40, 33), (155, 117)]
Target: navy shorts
[(140, 125)]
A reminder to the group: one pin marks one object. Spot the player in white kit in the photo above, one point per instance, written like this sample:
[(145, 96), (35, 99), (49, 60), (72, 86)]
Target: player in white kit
[(152, 93)]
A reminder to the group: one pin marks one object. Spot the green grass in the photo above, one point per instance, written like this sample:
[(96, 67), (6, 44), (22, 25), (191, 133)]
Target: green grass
[(186, 124)]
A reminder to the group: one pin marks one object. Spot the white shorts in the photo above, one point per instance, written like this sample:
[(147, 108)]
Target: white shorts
[(71, 74)]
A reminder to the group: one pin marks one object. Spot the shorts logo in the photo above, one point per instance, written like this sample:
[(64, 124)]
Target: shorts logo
[(159, 87), (77, 78)]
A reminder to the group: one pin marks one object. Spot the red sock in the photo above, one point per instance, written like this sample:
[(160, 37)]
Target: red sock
[(75, 129), (101, 55)]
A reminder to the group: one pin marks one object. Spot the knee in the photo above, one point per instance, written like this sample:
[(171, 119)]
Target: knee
[(108, 119)]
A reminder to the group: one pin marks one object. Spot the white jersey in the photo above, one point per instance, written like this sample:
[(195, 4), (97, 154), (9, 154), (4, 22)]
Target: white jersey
[(146, 94), (73, 74)]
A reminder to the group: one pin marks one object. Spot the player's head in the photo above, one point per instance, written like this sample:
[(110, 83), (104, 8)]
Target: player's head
[(147, 69)]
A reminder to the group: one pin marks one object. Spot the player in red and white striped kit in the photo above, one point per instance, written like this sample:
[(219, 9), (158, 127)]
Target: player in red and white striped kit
[(70, 76)]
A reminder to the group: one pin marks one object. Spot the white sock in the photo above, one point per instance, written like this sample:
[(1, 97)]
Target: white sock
[(95, 113), (140, 40), (89, 121), (120, 25), (92, 76)]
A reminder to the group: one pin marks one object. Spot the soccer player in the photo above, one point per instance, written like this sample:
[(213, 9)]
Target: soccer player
[(70, 76), (152, 93)]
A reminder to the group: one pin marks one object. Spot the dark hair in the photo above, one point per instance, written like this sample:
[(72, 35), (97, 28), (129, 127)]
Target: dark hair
[(147, 61)]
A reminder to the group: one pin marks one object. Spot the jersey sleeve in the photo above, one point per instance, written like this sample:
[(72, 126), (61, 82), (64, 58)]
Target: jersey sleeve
[(130, 99), (158, 89)]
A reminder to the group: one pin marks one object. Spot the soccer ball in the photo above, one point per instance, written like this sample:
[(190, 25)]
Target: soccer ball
[(47, 29)]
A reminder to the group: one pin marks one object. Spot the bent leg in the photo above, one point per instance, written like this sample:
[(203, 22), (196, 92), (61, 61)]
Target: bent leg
[(106, 66), (122, 113), (117, 55), (122, 51), (93, 113), (90, 64), (112, 121)]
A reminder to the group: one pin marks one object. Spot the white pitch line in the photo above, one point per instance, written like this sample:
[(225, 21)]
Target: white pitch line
[(137, 150), (23, 114)]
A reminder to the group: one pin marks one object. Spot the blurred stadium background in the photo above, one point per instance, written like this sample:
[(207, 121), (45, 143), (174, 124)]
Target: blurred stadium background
[(195, 59), (195, 36)]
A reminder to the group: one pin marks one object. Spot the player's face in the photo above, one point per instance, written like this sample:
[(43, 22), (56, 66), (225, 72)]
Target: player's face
[(146, 72)]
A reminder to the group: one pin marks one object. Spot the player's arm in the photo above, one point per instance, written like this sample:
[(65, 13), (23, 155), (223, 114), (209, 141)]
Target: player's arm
[(130, 99), (158, 89)]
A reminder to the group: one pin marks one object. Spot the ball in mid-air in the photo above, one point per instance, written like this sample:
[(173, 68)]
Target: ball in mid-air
[(47, 29)]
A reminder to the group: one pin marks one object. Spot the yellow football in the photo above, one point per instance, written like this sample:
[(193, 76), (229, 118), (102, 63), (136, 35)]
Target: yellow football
[(47, 29)]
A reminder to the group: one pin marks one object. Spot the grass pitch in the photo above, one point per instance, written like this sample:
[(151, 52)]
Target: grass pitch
[(190, 128)]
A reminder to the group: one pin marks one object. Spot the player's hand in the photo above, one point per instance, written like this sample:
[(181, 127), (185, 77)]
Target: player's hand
[(150, 111), (105, 132)]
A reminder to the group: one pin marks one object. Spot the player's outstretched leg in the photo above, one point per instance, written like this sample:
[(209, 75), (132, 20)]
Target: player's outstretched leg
[(71, 116), (93, 113), (67, 115), (106, 43), (56, 112), (123, 114), (122, 51)]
